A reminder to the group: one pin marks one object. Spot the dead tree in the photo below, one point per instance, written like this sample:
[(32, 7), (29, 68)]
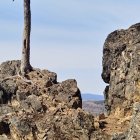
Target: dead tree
[(25, 61)]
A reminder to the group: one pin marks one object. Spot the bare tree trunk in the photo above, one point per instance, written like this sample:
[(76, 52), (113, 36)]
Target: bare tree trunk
[(25, 61)]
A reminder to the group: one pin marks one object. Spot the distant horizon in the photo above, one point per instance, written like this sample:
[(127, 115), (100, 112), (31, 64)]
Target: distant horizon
[(92, 93), (67, 37), (92, 97)]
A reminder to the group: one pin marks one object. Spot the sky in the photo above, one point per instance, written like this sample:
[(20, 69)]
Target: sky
[(67, 36)]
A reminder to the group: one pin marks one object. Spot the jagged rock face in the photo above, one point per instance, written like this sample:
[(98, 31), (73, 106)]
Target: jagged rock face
[(121, 70), (40, 108), (133, 132)]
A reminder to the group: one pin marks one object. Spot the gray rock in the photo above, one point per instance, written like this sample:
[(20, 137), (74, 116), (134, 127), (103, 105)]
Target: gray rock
[(68, 92), (121, 62), (3, 137), (34, 102), (8, 89), (133, 132), (9, 68)]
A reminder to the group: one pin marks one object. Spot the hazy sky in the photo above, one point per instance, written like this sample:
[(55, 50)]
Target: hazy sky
[(67, 35)]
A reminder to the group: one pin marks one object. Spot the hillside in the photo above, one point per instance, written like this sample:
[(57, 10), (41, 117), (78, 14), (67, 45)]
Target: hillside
[(94, 107)]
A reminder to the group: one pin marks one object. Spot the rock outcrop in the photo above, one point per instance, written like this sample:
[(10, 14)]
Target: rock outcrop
[(121, 70), (40, 108), (37, 107)]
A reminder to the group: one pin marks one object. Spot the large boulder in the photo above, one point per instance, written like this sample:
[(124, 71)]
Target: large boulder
[(121, 70)]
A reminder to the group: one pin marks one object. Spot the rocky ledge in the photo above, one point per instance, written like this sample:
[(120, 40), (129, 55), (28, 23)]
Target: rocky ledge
[(40, 108)]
